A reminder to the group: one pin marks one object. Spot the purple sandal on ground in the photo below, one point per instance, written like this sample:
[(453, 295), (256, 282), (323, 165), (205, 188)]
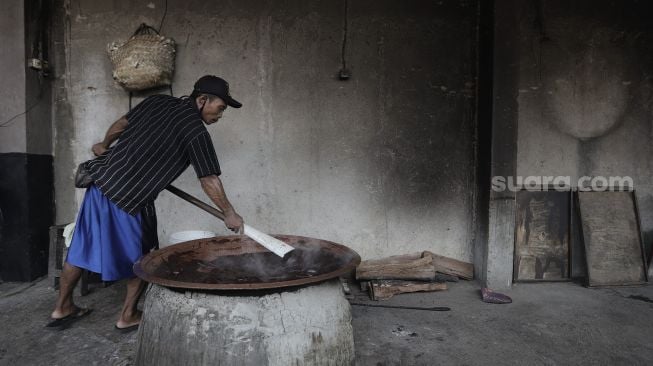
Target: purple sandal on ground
[(492, 297)]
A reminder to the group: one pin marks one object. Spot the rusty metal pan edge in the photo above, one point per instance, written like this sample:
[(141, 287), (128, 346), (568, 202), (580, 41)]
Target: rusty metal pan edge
[(355, 261)]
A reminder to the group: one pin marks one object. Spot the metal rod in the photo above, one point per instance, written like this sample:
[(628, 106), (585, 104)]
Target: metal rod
[(208, 208), (436, 308)]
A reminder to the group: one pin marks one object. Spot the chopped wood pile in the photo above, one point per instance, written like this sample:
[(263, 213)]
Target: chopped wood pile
[(425, 271)]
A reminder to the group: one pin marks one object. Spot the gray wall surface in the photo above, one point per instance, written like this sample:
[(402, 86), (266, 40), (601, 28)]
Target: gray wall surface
[(497, 256), (25, 121), (26, 164), (585, 94), (38, 95), (13, 137), (383, 162)]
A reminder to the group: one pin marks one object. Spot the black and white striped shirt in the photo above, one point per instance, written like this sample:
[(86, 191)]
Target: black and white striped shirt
[(164, 135)]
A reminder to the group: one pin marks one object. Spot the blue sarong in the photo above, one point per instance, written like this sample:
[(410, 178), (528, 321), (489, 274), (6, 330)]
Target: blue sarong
[(107, 240)]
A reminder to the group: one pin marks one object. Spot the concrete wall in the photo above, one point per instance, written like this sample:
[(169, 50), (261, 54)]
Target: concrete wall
[(497, 256), (383, 163), (26, 187), (25, 111), (13, 137), (38, 94), (585, 94)]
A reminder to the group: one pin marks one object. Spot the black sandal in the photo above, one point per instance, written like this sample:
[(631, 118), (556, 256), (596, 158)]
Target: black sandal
[(68, 320)]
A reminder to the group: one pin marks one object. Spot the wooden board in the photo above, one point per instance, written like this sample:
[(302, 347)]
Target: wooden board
[(395, 259), (385, 289), (452, 267), (612, 238), (542, 236), (423, 266), (407, 267)]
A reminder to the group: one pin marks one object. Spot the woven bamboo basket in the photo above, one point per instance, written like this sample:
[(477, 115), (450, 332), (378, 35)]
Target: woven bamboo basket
[(144, 61)]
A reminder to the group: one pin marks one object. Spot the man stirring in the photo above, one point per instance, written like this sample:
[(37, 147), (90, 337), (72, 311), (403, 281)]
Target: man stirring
[(116, 225)]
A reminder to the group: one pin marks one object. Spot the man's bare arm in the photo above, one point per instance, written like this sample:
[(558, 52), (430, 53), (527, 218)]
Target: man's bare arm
[(113, 133), (212, 186)]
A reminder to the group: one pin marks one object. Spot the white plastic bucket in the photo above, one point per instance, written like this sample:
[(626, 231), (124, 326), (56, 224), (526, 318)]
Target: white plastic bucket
[(182, 236)]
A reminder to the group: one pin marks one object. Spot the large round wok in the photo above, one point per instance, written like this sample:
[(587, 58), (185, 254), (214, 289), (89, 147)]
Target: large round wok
[(236, 262)]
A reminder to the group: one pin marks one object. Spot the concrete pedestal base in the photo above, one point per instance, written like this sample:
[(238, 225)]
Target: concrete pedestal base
[(309, 326)]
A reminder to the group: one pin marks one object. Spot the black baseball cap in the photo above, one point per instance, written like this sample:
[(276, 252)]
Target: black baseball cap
[(214, 85)]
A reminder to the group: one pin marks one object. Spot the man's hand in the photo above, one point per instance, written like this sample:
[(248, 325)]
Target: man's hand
[(113, 133), (233, 221), (99, 149)]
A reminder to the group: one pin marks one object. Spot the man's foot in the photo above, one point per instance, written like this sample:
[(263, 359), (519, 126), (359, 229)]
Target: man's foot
[(66, 321), (129, 322), (64, 311)]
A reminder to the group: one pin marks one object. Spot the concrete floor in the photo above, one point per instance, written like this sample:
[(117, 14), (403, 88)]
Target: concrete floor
[(547, 324)]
